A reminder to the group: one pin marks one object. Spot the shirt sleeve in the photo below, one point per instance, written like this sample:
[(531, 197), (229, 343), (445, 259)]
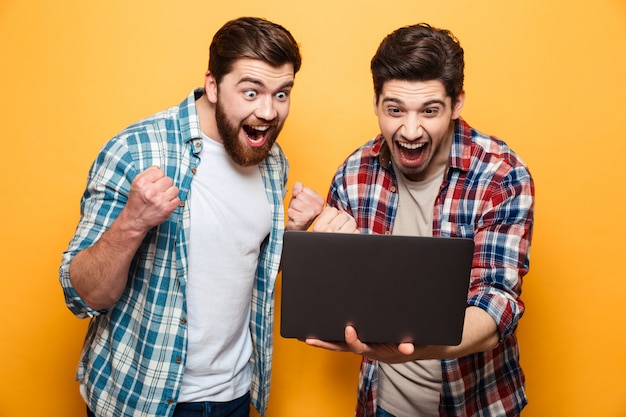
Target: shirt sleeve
[(502, 242), (105, 196)]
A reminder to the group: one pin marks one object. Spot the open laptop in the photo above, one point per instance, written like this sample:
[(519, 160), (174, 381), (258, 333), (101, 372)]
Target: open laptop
[(390, 288)]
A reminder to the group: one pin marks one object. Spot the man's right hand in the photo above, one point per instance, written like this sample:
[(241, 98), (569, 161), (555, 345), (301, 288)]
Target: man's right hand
[(152, 199), (334, 220), (99, 273)]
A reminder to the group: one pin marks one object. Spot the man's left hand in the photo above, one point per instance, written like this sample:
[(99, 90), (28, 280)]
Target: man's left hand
[(304, 206)]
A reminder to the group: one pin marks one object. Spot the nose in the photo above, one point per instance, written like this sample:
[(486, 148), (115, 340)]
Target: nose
[(412, 128), (266, 109)]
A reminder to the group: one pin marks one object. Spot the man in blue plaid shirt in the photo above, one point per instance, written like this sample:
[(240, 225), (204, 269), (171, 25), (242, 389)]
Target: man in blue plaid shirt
[(178, 247)]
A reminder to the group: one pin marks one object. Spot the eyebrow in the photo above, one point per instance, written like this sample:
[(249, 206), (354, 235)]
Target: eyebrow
[(425, 104), (258, 82)]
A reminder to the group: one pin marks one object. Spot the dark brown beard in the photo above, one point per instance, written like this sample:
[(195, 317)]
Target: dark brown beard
[(241, 153)]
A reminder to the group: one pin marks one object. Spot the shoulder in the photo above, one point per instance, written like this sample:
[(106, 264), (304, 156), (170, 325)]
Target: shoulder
[(365, 155), (179, 121), (485, 154)]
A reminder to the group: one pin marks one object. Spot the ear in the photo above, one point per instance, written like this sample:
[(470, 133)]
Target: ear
[(210, 87), (375, 102), (456, 111)]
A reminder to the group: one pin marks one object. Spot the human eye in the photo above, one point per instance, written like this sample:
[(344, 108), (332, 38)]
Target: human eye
[(394, 111), (431, 111), (282, 95), (250, 94)]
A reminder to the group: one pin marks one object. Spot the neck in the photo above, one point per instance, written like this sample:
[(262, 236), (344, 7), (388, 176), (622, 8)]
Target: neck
[(206, 117)]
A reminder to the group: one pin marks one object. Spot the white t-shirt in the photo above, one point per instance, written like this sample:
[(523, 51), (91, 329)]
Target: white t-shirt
[(230, 218)]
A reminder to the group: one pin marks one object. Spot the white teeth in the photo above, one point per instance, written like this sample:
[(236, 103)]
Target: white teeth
[(411, 145), (255, 133)]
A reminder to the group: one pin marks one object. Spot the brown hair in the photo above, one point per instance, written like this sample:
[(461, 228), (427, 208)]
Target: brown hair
[(252, 37), (420, 53)]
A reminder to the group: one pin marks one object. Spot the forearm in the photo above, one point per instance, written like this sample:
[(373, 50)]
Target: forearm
[(99, 273), (480, 334)]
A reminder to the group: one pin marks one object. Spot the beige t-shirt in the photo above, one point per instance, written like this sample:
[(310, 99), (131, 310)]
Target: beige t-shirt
[(412, 389)]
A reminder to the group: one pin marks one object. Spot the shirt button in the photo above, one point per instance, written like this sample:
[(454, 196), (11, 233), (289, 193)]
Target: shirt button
[(170, 401), (182, 204), (179, 359), (183, 321), (194, 170), (393, 189)]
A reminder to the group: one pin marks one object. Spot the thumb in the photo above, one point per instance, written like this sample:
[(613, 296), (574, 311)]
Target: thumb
[(297, 189), (406, 348)]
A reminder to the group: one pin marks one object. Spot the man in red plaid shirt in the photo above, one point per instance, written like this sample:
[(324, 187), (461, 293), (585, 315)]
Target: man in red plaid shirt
[(429, 173)]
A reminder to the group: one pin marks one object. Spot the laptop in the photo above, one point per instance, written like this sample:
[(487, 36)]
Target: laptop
[(391, 288)]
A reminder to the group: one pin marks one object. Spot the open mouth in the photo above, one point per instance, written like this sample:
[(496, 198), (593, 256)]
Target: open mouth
[(256, 135), (411, 153)]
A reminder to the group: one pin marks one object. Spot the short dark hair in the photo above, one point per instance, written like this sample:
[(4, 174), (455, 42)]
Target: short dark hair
[(255, 38), (420, 53)]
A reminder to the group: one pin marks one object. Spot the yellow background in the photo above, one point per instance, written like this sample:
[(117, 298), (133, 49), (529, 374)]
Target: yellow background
[(547, 76)]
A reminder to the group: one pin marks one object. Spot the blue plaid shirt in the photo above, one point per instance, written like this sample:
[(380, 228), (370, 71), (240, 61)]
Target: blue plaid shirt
[(487, 195), (134, 354)]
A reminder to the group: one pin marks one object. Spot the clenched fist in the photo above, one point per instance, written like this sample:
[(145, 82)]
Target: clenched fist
[(152, 199)]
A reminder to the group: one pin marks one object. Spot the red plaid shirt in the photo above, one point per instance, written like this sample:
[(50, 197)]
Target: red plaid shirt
[(488, 195)]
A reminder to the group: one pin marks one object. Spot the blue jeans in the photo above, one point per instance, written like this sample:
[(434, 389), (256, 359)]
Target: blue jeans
[(382, 413), (235, 408)]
